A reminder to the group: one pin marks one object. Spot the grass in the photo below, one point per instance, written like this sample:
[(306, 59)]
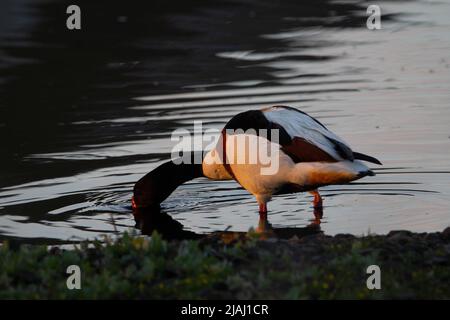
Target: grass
[(237, 267)]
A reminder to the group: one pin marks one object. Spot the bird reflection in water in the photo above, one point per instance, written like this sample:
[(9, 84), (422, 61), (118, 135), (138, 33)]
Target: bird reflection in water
[(152, 219)]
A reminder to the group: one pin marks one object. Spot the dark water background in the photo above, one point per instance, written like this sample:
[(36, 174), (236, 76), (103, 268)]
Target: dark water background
[(84, 114)]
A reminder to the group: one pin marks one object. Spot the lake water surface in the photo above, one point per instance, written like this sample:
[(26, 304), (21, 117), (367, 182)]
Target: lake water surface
[(85, 114)]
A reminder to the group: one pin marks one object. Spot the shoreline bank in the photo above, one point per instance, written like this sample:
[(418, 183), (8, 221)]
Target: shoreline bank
[(234, 266)]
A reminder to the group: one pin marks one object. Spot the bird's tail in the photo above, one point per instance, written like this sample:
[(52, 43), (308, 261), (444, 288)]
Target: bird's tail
[(365, 157)]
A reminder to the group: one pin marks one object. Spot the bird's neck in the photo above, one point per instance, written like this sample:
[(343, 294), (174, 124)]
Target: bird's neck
[(157, 185)]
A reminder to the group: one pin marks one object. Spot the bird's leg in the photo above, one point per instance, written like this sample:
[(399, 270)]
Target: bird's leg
[(262, 208), (264, 226), (262, 211), (318, 203), (318, 207), (318, 214)]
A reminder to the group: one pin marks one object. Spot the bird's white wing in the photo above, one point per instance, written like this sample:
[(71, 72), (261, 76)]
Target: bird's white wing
[(300, 125)]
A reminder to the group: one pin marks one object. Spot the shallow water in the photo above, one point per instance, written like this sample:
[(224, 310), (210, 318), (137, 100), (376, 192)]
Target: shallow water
[(85, 114)]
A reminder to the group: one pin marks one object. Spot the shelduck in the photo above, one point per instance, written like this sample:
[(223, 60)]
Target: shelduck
[(300, 154)]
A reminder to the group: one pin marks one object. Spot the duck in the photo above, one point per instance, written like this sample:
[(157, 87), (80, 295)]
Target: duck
[(269, 151)]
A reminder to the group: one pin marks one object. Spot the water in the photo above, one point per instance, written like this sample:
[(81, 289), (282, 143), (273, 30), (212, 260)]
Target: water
[(85, 114)]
